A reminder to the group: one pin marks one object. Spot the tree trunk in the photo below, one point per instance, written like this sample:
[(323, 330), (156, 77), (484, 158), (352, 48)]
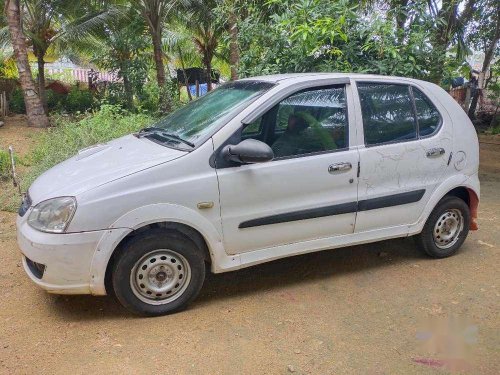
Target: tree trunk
[(34, 108), (488, 56), (129, 95), (186, 81), (445, 31), (158, 58), (208, 64), (234, 52), (165, 106), (401, 17), (41, 81)]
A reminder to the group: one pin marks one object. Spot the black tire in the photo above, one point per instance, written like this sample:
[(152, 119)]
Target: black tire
[(425, 240), (144, 244)]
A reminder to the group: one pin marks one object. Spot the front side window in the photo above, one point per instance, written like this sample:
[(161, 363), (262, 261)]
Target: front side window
[(197, 120), (387, 111), (428, 116), (309, 122)]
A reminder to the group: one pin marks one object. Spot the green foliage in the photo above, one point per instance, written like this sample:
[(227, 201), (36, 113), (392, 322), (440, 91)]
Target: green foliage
[(54, 100), (4, 164), (16, 102), (8, 68), (123, 49), (315, 35), (152, 96), (78, 100)]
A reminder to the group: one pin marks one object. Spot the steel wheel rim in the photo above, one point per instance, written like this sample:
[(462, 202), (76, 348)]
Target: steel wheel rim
[(160, 277), (448, 228)]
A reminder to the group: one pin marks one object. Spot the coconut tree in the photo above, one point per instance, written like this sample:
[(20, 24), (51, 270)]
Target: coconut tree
[(178, 45), (156, 13), (54, 24), (122, 46), (34, 107), (202, 22)]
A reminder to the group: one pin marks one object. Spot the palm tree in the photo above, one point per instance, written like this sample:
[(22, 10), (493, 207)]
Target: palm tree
[(207, 31), (34, 107), (180, 49), (53, 24), (156, 14)]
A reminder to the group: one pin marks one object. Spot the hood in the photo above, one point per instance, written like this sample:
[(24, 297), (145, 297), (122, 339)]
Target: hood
[(100, 164)]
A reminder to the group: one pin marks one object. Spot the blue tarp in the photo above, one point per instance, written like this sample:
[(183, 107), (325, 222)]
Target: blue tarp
[(203, 89)]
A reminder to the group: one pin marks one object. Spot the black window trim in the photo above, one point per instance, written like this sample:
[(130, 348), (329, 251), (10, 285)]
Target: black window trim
[(410, 86), (214, 157)]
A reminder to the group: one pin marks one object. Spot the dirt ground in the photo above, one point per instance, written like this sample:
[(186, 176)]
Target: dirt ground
[(381, 308)]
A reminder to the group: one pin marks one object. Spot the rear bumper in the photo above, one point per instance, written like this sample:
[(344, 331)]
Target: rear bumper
[(67, 258)]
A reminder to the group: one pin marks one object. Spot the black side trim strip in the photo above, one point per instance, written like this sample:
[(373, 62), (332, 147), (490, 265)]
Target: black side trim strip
[(338, 209), (391, 200), (310, 213)]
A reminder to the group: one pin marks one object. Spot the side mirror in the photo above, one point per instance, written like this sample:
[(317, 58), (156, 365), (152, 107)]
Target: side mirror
[(248, 151)]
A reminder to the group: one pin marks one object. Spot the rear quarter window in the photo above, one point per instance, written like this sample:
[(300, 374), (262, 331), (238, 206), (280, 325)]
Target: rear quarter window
[(387, 111), (429, 119)]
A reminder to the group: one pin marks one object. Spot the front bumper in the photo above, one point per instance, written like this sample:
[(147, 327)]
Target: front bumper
[(67, 258)]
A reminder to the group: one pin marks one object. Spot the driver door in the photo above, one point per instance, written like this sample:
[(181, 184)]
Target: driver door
[(308, 194)]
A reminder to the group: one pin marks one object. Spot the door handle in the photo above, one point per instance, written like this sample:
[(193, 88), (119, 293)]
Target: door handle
[(339, 167), (433, 152)]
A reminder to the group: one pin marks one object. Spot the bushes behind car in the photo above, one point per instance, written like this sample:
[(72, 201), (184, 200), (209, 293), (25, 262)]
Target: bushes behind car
[(77, 100)]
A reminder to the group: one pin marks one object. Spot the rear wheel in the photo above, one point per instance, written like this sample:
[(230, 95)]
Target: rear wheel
[(446, 228), (158, 273)]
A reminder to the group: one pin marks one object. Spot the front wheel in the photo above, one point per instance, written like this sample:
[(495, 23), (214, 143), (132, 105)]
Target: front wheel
[(158, 273), (446, 228)]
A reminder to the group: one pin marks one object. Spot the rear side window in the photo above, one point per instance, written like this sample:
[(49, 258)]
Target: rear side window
[(387, 113), (428, 116)]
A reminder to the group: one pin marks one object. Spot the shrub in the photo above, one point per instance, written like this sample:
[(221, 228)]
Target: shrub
[(55, 100), (151, 96), (4, 164), (78, 100), (16, 102)]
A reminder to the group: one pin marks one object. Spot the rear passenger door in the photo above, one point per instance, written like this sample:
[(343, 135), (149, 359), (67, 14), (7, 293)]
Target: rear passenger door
[(406, 149)]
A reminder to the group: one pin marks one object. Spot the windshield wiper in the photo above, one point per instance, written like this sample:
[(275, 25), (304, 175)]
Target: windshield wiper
[(152, 129), (177, 138)]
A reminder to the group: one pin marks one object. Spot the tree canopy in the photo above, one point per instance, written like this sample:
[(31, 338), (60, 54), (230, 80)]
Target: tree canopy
[(145, 41)]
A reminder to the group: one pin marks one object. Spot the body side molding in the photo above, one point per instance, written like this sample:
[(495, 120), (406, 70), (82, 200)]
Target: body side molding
[(338, 209)]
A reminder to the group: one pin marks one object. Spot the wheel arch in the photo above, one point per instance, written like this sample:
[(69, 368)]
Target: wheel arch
[(188, 222), (469, 196), (181, 229), (463, 187)]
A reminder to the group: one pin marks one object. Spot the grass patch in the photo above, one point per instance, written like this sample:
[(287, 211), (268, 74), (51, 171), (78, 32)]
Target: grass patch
[(65, 139)]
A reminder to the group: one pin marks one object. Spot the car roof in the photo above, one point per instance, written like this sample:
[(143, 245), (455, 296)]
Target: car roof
[(301, 77)]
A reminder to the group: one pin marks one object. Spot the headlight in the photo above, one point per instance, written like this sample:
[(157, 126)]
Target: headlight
[(53, 215)]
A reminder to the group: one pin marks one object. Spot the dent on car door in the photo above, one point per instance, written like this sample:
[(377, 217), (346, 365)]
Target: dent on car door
[(308, 191), (401, 126)]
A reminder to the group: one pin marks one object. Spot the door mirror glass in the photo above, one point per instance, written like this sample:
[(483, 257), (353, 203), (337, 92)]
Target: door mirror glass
[(248, 151)]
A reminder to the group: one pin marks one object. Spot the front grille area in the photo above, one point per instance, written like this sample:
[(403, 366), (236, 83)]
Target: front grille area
[(25, 205), (37, 269)]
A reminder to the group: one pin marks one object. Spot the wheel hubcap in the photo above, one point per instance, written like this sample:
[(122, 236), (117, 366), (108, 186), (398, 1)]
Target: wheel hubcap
[(448, 228), (160, 277)]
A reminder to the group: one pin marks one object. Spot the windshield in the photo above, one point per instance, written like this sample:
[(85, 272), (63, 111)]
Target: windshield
[(198, 119)]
